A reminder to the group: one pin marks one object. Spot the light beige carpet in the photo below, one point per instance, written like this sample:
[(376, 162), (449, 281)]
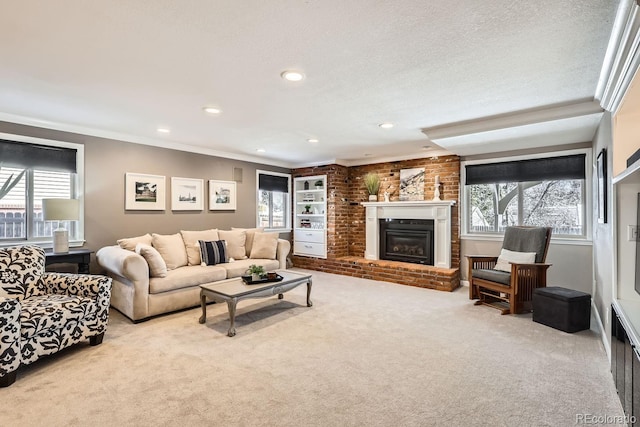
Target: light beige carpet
[(367, 353)]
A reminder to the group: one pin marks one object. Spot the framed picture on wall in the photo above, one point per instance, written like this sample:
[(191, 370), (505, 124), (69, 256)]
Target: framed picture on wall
[(602, 186), (187, 194), (222, 195), (144, 192)]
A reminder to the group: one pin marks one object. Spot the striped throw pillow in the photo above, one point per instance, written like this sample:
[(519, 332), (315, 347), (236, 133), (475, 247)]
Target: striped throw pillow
[(213, 252)]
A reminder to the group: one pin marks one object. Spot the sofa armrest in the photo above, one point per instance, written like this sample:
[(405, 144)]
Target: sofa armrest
[(123, 263), (10, 356), (284, 246), (82, 285)]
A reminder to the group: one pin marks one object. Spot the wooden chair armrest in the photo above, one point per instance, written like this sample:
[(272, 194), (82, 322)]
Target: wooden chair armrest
[(531, 264), (482, 257)]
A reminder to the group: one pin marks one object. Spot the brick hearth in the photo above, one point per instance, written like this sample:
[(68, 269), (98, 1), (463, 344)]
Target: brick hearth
[(346, 222), (404, 273)]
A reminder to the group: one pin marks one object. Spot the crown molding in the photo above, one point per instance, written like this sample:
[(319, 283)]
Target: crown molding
[(512, 120), (423, 154), (622, 58), (155, 142)]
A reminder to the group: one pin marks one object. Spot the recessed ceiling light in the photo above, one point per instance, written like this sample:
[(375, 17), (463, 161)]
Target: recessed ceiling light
[(164, 130), (212, 110), (261, 150), (312, 140), (386, 125), (292, 76)]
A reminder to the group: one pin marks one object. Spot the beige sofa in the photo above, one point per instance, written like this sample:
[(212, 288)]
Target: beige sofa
[(157, 274)]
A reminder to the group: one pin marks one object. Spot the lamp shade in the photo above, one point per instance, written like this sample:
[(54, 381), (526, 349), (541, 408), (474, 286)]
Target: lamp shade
[(61, 209)]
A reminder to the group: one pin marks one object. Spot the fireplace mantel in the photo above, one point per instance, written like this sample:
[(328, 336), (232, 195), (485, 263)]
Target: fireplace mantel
[(437, 210)]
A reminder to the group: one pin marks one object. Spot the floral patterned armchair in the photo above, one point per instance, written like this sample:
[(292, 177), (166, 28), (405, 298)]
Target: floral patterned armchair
[(41, 313)]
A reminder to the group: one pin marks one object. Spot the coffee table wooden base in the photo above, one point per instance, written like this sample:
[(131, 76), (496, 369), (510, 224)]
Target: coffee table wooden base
[(276, 288)]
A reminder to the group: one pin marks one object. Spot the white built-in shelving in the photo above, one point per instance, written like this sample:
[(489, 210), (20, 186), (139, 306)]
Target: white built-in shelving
[(310, 216)]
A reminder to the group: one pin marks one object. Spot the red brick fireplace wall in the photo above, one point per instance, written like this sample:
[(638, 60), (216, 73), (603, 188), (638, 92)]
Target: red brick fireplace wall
[(346, 221)]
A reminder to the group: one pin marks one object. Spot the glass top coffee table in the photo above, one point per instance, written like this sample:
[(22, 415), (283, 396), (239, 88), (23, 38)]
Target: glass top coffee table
[(233, 290)]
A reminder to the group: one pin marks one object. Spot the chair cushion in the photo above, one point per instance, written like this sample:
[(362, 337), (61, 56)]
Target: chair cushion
[(507, 256), (492, 275), (526, 239), (51, 312), (21, 269)]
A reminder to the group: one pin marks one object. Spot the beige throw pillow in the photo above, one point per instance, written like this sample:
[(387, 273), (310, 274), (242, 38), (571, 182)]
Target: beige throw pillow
[(157, 266), (248, 244), (235, 240), (171, 248), (265, 245), (507, 256), (131, 243), (191, 245)]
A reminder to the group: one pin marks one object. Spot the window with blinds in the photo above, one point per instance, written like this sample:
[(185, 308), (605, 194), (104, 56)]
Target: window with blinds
[(30, 172), (548, 192), (273, 200)]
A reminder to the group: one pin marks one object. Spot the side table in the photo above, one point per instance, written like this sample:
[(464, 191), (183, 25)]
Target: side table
[(81, 257)]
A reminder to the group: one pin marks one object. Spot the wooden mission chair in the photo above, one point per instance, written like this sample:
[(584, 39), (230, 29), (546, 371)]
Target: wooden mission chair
[(511, 291)]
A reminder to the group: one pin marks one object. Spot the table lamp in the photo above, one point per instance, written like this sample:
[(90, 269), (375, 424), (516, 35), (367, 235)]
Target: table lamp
[(60, 210)]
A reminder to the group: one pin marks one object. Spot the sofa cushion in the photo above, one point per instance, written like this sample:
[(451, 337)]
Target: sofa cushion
[(157, 266), (185, 277), (507, 256), (130, 243), (191, 245), (265, 245), (21, 270), (248, 244), (213, 253), (52, 312), (171, 248), (239, 268), (235, 242)]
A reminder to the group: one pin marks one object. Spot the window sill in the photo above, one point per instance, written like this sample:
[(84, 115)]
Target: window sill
[(277, 230), (44, 244), (575, 241)]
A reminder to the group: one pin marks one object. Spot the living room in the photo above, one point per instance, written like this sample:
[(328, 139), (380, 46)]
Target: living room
[(582, 262)]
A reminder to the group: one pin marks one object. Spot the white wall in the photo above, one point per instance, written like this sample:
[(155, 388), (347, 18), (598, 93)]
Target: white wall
[(572, 267), (603, 233)]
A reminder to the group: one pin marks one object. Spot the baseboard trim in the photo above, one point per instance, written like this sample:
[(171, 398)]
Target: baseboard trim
[(464, 283), (603, 333)]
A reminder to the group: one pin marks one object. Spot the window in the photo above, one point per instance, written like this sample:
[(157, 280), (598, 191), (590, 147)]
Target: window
[(273, 200), (543, 192), (31, 170)]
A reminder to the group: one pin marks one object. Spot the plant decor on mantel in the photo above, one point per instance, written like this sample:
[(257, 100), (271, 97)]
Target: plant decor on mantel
[(372, 184)]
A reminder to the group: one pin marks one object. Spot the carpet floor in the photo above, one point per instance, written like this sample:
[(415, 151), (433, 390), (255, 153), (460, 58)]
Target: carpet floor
[(367, 353)]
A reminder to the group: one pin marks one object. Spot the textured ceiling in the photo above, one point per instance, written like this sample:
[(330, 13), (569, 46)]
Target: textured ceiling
[(122, 68)]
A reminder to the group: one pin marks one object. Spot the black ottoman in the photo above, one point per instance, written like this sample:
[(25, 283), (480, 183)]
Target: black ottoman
[(562, 308)]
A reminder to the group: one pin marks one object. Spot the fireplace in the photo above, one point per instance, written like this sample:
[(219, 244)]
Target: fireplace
[(439, 211), (406, 240)]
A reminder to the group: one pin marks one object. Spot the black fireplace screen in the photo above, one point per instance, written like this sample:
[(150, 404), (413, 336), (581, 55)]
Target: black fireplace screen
[(407, 240)]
